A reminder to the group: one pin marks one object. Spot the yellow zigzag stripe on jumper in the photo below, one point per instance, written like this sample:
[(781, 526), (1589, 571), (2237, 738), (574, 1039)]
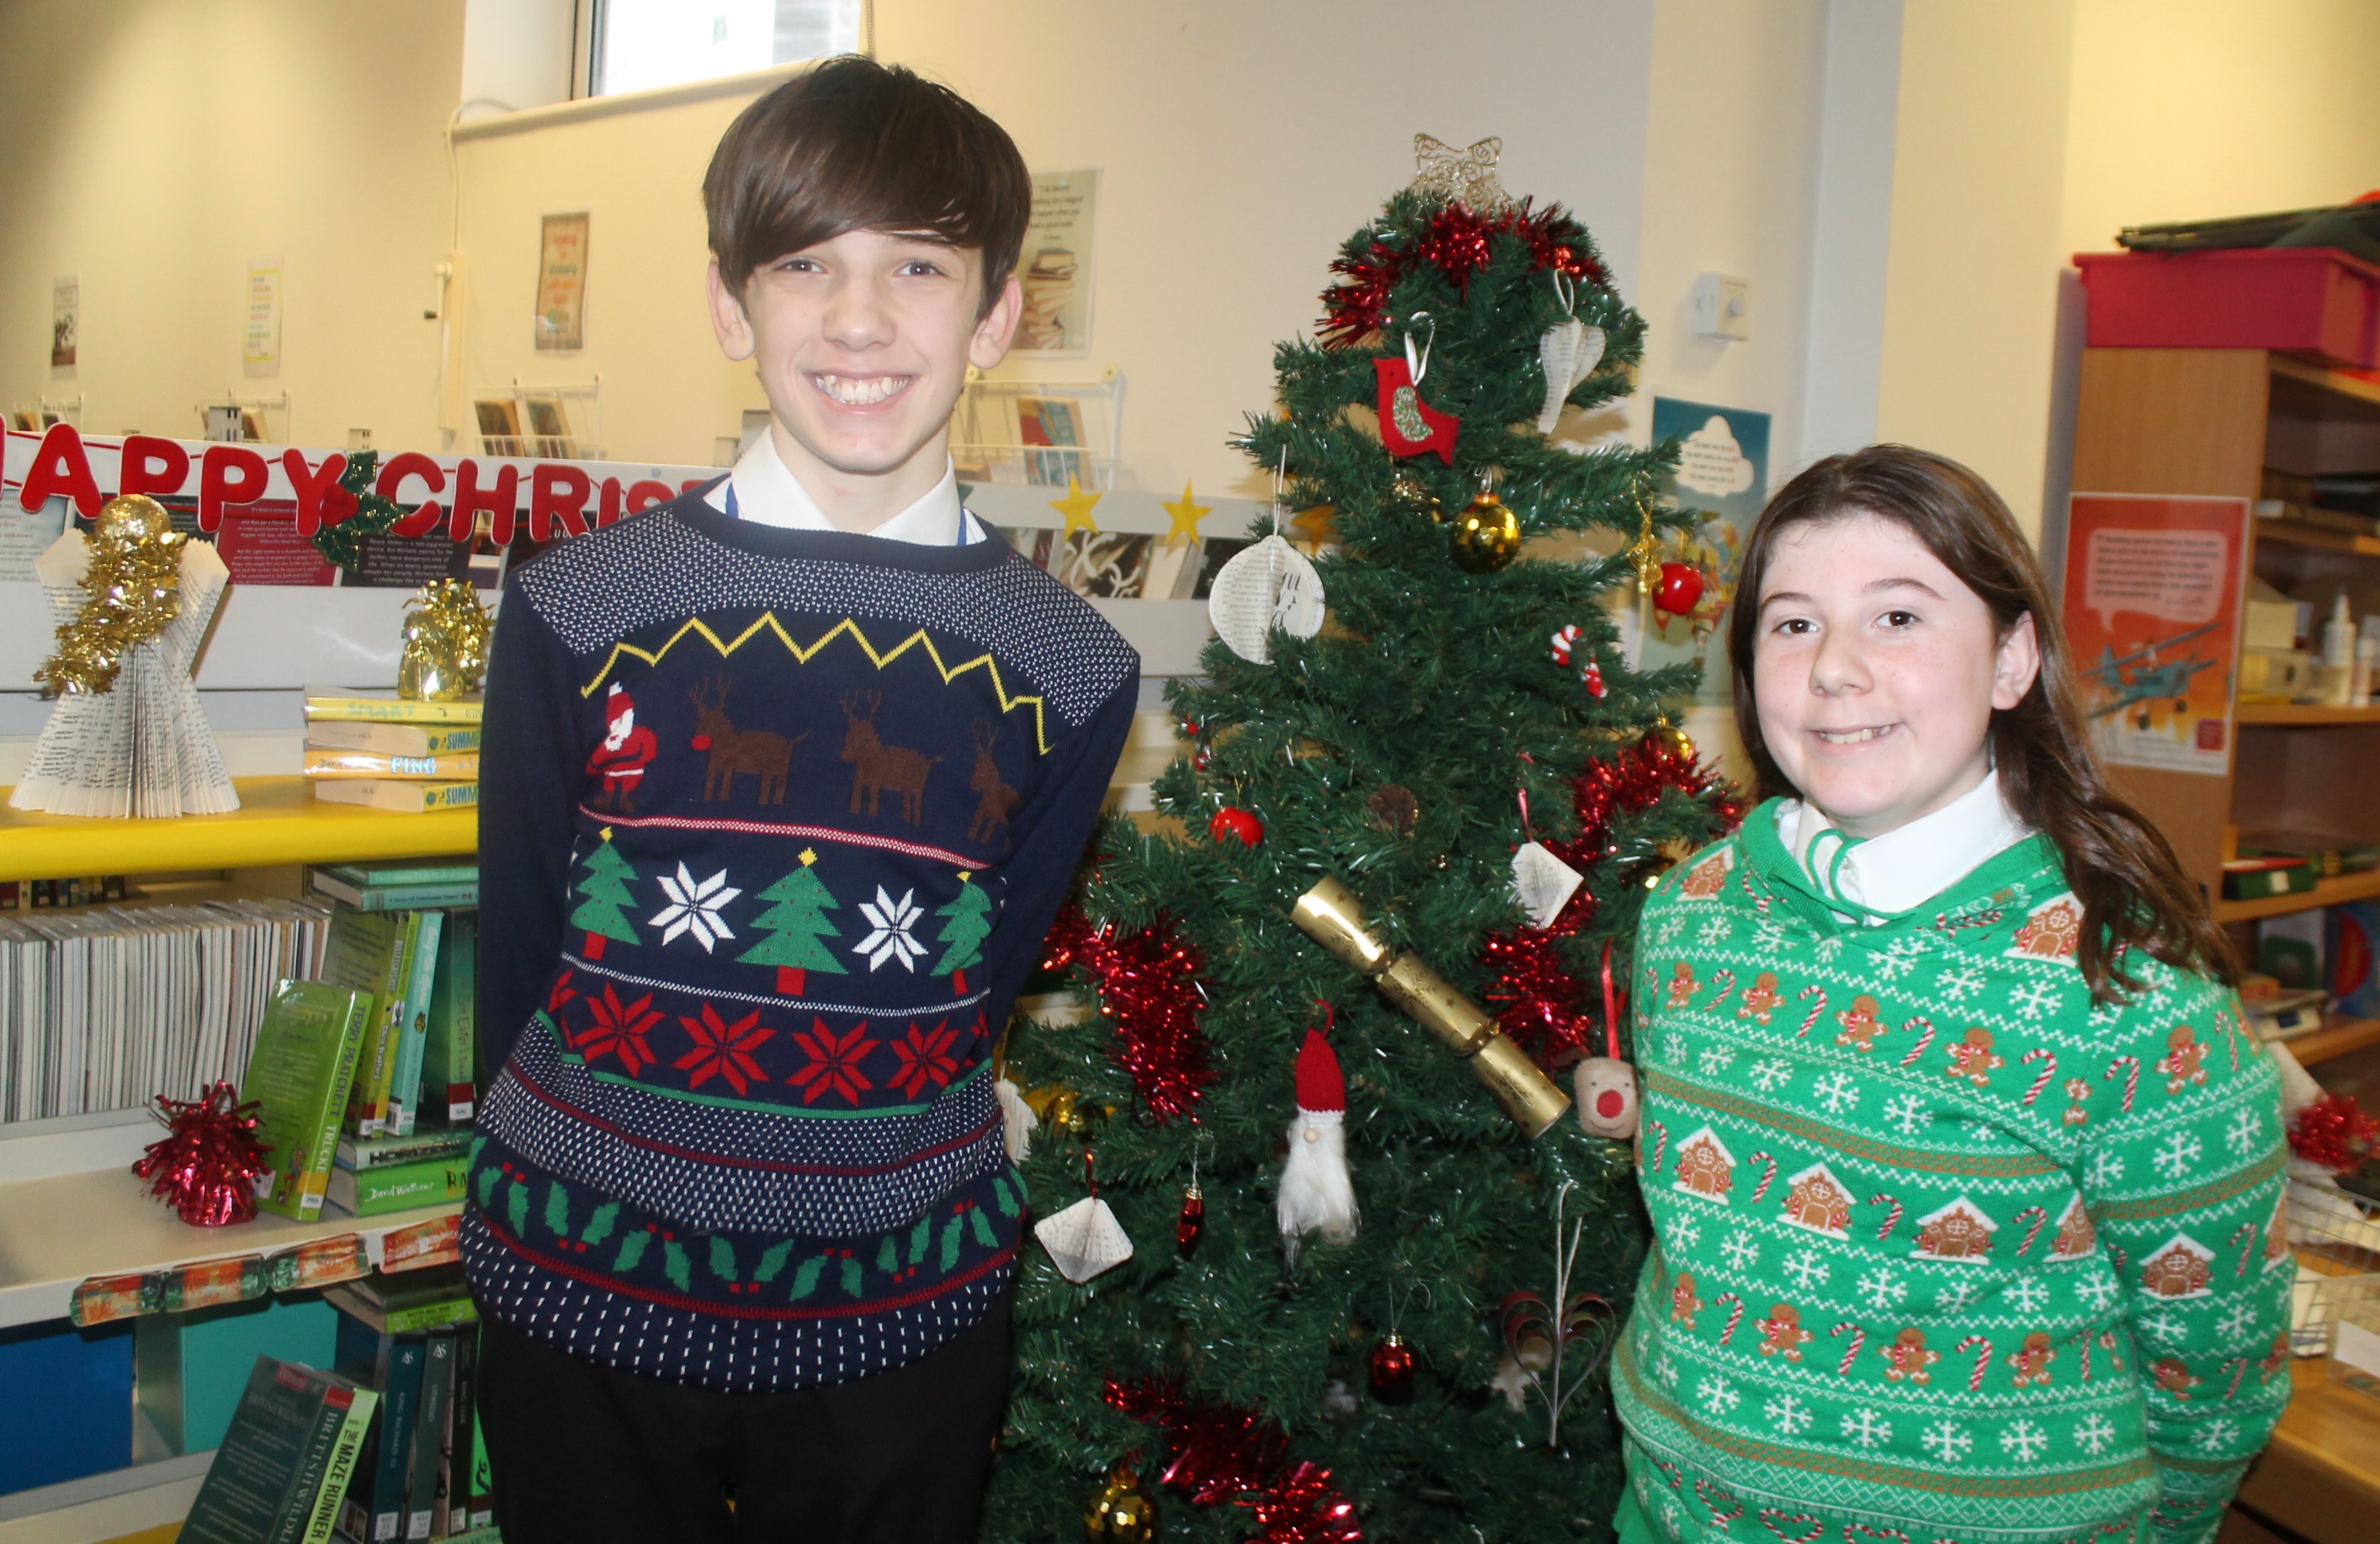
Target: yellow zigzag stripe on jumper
[(767, 623)]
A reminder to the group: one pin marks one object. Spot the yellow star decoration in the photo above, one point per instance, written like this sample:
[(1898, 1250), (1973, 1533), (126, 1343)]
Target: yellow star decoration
[(1318, 524), (1187, 516), (1078, 506)]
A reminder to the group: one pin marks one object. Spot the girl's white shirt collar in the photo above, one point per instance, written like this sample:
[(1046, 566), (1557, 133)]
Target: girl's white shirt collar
[(768, 494), (1910, 865)]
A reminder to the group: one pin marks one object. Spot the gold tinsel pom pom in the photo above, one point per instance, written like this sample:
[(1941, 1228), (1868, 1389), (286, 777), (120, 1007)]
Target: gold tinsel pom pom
[(446, 633), (132, 591)]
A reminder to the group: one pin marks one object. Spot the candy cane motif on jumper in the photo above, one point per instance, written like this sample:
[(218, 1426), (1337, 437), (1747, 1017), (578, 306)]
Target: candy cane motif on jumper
[(1891, 1215), (2085, 1343), (1859, 1343), (2039, 1217), (2048, 1060), (1661, 1146), (1759, 898), (1817, 1008), (2239, 1366), (1768, 1175), (1735, 1315), (2244, 1239), (2132, 1070), (1725, 979), (1712, 1496), (1923, 1040), (1982, 1349)]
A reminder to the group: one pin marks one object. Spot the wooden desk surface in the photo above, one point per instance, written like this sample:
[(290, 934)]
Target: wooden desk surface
[(2321, 1476)]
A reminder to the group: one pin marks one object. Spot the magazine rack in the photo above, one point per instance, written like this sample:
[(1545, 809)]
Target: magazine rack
[(1039, 434)]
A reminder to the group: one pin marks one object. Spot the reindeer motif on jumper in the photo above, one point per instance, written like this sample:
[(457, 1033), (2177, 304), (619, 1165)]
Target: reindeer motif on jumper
[(999, 800), (876, 767), (763, 753)]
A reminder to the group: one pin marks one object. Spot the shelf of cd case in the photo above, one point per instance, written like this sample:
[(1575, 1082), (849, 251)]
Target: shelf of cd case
[(279, 822)]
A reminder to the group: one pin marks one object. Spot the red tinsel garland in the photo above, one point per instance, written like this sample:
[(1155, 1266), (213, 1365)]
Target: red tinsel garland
[(1458, 242), (1537, 1000), (207, 1164), (1218, 1454), (2332, 1133), (1148, 983)]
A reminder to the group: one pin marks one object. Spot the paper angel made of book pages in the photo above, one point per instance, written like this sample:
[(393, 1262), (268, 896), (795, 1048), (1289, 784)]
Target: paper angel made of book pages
[(139, 745)]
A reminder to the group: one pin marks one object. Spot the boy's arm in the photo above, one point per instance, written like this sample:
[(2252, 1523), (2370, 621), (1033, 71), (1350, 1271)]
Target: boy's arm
[(2202, 1163), (531, 770), (1051, 833)]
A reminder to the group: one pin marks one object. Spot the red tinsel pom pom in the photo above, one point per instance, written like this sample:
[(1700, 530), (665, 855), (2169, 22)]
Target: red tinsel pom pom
[(2332, 1133), (207, 1165), (1216, 1453), (1149, 985), (1458, 242)]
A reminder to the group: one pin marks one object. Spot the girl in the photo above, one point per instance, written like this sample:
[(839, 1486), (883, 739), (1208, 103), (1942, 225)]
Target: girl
[(1965, 1174)]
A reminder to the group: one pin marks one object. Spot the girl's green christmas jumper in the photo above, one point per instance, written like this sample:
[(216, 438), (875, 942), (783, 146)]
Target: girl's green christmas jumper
[(1944, 1252)]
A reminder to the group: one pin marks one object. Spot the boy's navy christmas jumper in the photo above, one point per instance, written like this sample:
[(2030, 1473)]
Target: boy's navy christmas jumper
[(773, 824)]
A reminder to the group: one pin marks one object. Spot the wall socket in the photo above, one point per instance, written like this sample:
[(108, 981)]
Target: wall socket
[(1722, 308)]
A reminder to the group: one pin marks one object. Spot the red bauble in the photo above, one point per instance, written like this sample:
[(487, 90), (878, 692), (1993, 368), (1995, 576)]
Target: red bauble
[(1231, 820), (1681, 587), (1391, 1367), (2332, 1133), (1408, 425), (207, 1165), (1191, 1224)]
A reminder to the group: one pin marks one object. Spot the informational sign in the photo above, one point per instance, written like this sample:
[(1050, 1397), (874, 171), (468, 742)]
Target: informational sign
[(260, 349), (562, 283), (1055, 269), (65, 321), (1724, 471), (2154, 587)]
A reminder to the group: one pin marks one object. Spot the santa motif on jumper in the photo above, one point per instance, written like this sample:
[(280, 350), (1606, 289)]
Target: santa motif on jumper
[(1761, 998), (2185, 1060), (1959, 1231), (627, 749), (1781, 1333), (2052, 930), (1861, 1027), (1972, 1058), (2032, 1359), (1708, 878), (1816, 1199), (1909, 1356), (2182, 1269)]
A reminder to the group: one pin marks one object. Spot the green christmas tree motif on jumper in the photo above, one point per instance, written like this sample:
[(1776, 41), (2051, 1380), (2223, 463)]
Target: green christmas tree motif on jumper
[(606, 889), (970, 924), (797, 928)]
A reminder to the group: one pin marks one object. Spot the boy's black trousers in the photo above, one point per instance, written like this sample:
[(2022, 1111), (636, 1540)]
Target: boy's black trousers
[(583, 1454)]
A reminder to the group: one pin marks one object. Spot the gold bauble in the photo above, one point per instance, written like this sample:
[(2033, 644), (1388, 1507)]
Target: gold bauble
[(1485, 536), (1410, 493), (1122, 1513), (1674, 740), (1060, 1109)]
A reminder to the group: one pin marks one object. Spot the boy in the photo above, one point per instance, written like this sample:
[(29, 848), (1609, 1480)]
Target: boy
[(741, 1224)]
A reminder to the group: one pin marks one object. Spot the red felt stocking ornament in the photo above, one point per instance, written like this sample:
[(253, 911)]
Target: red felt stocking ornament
[(1408, 425)]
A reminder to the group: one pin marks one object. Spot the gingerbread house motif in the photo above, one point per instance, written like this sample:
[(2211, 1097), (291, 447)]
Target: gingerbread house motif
[(1708, 878), (1704, 1166), (1816, 1199), (1957, 1232), (2075, 1236), (2182, 1268), (2051, 930)]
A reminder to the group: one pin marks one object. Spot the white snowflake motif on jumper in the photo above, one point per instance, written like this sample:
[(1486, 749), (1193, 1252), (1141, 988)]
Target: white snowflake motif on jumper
[(2092, 1434), (1898, 960), (2023, 1440), (694, 908), (1866, 1430), (1787, 1415), (1946, 1441), (1772, 1074), (1909, 1113), (2245, 1133), (1719, 1395), (1960, 982), (892, 921)]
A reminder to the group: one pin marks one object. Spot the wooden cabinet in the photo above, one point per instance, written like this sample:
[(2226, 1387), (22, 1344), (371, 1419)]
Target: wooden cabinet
[(2209, 422)]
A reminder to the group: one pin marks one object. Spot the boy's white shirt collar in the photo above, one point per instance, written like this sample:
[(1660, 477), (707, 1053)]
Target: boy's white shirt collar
[(1910, 865), (768, 494)]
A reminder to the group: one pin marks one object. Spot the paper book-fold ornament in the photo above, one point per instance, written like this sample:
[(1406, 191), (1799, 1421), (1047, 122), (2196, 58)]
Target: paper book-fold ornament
[(1084, 1240)]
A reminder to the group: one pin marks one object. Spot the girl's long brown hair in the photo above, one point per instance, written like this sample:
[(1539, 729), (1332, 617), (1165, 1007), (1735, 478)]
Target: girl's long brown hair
[(2133, 892)]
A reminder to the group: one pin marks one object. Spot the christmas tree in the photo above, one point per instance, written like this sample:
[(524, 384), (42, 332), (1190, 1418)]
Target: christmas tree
[(1439, 1376), (969, 925), (606, 889), (797, 928)]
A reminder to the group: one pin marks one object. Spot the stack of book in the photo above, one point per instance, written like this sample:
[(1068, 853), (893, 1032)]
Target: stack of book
[(388, 752), (413, 1339)]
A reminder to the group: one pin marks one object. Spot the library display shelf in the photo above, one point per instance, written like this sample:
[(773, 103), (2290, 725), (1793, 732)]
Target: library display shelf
[(59, 1230), (279, 822), (2326, 893), (2337, 1037), (2306, 714)]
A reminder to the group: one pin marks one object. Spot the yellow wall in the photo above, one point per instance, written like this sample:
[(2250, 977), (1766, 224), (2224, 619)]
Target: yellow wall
[(154, 148)]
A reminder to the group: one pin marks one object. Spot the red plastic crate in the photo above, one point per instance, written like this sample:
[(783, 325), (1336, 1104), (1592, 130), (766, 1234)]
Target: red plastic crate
[(2301, 300)]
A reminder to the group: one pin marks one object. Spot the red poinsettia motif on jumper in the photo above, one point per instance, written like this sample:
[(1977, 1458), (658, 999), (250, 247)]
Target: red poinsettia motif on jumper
[(723, 1049), (834, 1062), (619, 1030), (561, 992), (926, 1057)]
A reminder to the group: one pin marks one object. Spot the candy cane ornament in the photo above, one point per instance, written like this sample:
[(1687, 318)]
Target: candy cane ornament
[(1859, 1343), (1735, 1315), (2048, 1060), (1816, 1009), (1891, 1215), (1923, 1040), (2039, 1217), (1768, 1176), (1982, 1347), (2130, 1067)]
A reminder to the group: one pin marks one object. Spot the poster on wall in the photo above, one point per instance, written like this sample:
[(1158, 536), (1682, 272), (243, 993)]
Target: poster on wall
[(2153, 586), (261, 341), (1723, 471), (1055, 268), (65, 321), (562, 283)]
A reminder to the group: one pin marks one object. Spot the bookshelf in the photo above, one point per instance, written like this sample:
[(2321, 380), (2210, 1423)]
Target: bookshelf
[(279, 822)]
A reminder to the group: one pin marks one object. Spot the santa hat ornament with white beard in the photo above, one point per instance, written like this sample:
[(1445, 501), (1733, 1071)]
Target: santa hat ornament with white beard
[(1316, 1192)]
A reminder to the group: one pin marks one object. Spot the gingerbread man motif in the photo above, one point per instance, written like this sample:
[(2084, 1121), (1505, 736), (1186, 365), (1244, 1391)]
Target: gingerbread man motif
[(2185, 1061), (2031, 1360), (2173, 1376), (1907, 1356), (1861, 1027), (1761, 998), (1973, 1059), (1683, 985), (1684, 1304), (1781, 1333), (2275, 1359)]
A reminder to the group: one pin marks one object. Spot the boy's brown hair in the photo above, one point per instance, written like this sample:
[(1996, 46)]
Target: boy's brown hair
[(855, 145)]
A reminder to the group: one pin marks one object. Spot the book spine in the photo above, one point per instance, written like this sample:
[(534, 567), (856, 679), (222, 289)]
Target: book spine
[(482, 1482), (382, 1152), (429, 1428), (405, 1099), (403, 1394), (391, 1029), (455, 1462), (424, 1316), (375, 1191), (415, 897), (463, 1023), (390, 709), (316, 1182), (297, 1508), (345, 1451)]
